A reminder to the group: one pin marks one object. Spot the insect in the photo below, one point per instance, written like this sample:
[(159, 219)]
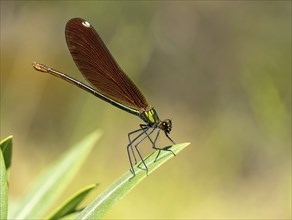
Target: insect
[(110, 84)]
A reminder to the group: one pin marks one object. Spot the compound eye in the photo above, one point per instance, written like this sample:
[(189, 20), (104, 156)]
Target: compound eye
[(166, 125)]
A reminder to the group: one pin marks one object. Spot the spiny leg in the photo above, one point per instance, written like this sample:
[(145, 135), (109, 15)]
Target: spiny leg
[(155, 140), (131, 141), (136, 147), (166, 134), (160, 149), (142, 125), (130, 146)]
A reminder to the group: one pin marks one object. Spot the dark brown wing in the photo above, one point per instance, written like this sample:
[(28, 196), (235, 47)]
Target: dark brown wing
[(99, 68)]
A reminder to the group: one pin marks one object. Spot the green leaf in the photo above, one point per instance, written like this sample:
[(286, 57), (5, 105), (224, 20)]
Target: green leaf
[(98, 208), (54, 180), (5, 163), (6, 147), (70, 205), (70, 216), (3, 188)]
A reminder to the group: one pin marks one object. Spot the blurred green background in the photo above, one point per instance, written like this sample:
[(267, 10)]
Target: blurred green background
[(221, 70)]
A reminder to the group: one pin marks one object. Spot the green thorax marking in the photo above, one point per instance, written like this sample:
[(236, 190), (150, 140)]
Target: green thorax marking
[(150, 117)]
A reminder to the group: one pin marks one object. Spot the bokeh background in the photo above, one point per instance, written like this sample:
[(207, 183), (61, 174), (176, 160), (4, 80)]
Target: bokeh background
[(221, 70)]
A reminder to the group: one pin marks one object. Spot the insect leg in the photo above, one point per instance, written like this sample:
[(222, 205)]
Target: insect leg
[(160, 149), (130, 146), (136, 147), (131, 141)]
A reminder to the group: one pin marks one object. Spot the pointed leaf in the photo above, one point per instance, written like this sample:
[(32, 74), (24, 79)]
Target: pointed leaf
[(70, 205), (3, 188), (98, 208), (54, 180), (6, 147)]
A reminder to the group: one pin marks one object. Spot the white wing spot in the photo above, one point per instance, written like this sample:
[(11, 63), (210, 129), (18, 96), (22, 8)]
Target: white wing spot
[(86, 23)]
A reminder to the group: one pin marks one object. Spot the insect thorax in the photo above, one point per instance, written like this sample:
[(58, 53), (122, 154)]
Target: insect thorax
[(150, 117)]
